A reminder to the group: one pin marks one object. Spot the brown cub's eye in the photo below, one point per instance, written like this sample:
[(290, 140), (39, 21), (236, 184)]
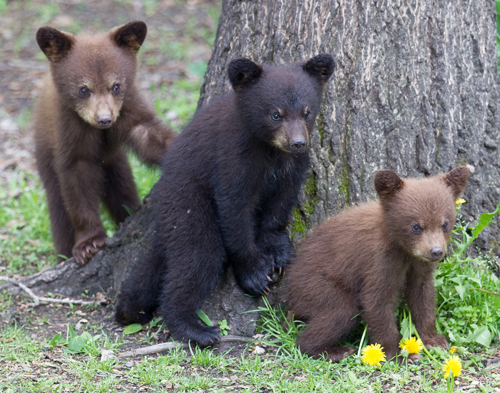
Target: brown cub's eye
[(416, 228), (116, 88), (83, 91), (276, 116), (307, 115), (445, 226)]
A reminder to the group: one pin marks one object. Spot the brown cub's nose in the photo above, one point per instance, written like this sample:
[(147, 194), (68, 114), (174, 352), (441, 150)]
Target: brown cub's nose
[(104, 121), (298, 144), (436, 252)]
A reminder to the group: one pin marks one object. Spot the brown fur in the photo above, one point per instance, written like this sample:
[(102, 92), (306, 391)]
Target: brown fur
[(360, 263), (88, 110)]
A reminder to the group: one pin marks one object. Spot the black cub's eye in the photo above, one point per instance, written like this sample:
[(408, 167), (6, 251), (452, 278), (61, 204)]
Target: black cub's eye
[(445, 226), (416, 228), (116, 88), (307, 115), (83, 91), (276, 116)]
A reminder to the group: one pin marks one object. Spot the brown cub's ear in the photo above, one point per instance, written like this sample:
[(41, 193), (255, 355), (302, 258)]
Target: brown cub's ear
[(457, 180), (243, 72), (320, 67), (130, 36), (387, 183), (54, 43)]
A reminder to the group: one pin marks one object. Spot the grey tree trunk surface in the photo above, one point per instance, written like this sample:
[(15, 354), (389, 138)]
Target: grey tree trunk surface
[(416, 90)]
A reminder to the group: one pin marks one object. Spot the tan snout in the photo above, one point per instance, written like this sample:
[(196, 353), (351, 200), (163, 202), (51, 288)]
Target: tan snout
[(101, 111), (432, 246), (292, 137)]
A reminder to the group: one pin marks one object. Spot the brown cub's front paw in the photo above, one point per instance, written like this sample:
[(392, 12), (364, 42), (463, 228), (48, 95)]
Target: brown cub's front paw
[(84, 249), (437, 340), (414, 357)]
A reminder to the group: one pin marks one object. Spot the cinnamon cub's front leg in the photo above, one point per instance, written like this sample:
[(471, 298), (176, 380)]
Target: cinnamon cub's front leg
[(81, 182)]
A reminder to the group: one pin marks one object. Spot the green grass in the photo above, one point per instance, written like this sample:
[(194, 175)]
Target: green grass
[(283, 368)]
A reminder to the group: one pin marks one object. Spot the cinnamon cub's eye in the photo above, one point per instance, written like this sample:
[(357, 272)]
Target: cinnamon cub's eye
[(116, 88), (445, 226), (307, 115), (416, 228), (83, 91), (276, 116)]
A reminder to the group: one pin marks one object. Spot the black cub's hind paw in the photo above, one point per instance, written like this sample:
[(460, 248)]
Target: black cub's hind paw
[(204, 336), (126, 316)]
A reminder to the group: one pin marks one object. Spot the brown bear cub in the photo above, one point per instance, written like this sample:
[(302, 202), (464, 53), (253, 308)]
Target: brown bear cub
[(89, 108), (360, 263)]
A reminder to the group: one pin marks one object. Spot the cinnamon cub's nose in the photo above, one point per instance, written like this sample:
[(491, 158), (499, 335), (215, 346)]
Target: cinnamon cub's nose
[(436, 252), (104, 121)]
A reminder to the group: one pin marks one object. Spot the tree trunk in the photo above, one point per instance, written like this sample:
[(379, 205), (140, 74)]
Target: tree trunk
[(416, 90)]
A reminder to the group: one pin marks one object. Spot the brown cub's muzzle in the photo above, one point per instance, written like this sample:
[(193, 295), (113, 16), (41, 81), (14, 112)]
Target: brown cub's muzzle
[(104, 121), (436, 253)]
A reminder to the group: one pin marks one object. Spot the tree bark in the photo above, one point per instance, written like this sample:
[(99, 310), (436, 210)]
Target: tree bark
[(416, 90)]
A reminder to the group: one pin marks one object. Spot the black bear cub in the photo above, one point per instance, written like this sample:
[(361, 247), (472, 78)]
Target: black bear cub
[(88, 110), (360, 263), (229, 183)]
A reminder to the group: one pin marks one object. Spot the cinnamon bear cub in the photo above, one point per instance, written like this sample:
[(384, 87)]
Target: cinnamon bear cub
[(88, 111), (229, 183), (360, 263)]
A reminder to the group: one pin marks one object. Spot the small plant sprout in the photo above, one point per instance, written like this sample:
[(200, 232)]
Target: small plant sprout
[(412, 345), (224, 327), (373, 354), (460, 201)]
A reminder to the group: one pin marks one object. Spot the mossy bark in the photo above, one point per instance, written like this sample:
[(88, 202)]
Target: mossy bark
[(416, 90)]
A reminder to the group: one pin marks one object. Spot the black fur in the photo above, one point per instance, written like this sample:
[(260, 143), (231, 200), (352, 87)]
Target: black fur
[(229, 184)]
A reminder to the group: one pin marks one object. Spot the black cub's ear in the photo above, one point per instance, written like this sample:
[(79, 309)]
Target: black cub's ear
[(54, 43), (320, 67), (130, 36), (457, 180), (243, 72), (387, 183)]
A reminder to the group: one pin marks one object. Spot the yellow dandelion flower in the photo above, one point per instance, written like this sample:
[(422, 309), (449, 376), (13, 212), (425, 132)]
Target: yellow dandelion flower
[(373, 354), (460, 201), (453, 349), (453, 366), (412, 345)]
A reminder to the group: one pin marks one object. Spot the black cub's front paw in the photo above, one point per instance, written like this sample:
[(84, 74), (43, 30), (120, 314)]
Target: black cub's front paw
[(255, 283), (276, 250)]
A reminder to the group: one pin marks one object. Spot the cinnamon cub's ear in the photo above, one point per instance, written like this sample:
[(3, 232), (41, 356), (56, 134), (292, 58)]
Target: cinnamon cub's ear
[(130, 36), (320, 67), (243, 72), (387, 183), (457, 180), (54, 43)]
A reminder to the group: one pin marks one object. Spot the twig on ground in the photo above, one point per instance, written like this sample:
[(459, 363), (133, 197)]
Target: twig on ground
[(485, 291), (172, 345), (38, 299)]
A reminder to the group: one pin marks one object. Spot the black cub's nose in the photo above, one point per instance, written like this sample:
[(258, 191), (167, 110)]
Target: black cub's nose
[(104, 121), (436, 252), (298, 144)]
